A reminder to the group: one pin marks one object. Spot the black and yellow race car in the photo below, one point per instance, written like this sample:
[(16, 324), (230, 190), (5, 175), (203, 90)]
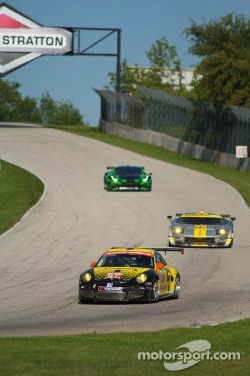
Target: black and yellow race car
[(130, 274), (127, 178), (201, 229)]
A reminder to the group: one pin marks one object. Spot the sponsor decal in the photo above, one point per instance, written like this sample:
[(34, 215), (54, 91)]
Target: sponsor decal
[(131, 253), (109, 287), (113, 275)]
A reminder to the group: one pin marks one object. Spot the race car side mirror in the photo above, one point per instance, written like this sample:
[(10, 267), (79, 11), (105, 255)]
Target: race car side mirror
[(233, 218), (169, 217), (93, 264), (159, 265)]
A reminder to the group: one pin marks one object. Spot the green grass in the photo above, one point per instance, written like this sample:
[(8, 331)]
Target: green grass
[(116, 354), (19, 191)]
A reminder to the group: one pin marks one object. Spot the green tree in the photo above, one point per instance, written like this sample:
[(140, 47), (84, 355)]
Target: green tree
[(161, 57), (131, 77), (67, 114), (27, 110), (48, 109), (224, 69), (13, 107), (9, 100), (58, 113)]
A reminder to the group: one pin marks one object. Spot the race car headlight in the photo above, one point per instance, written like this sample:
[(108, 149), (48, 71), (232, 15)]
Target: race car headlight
[(114, 179), (221, 231), (145, 179), (178, 230), (86, 277), (141, 278)]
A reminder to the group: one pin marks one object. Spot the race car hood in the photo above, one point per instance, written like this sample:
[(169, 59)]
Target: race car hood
[(118, 273), (201, 230)]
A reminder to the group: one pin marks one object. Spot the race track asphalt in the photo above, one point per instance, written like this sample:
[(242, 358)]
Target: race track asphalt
[(76, 220)]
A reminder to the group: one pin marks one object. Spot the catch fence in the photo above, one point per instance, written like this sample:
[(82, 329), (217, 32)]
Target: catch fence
[(214, 127)]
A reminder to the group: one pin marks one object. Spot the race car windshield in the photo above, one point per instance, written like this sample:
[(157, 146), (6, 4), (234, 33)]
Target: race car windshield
[(201, 221), (131, 171), (126, 260)]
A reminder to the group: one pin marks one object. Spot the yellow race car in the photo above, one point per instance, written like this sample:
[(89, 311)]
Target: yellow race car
[(130, 274), (201, 229)]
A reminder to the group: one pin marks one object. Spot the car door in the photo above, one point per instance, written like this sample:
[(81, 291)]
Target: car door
[(164, 275)]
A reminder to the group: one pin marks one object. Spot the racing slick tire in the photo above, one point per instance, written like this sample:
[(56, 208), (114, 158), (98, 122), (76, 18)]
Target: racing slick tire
[(177, 287), (81, 301), (85, 301)]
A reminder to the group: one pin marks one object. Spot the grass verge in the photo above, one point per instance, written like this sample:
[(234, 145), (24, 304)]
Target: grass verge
[(19, 191), (117, 354)]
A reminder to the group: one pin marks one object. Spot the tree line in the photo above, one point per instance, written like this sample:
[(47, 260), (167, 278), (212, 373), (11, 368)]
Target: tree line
[(46, 111), (222, 75)]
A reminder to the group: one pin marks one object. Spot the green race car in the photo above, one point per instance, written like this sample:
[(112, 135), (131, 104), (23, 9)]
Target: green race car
[(127, 178)]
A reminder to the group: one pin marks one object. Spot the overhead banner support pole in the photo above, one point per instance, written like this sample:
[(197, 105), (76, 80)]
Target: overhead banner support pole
[(80, 51), (118, 62)]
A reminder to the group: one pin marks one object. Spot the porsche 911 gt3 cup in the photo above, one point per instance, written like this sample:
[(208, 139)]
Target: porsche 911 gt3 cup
[(201, 229), (130, 274)]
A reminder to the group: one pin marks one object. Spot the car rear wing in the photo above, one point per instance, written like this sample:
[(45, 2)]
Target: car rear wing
[(158, 249), (166, 249), (177, 215), (228, 216), (112, 167), (222, 215)]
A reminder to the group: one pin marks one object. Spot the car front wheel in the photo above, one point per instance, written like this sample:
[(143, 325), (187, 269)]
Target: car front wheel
[(177, 287)]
